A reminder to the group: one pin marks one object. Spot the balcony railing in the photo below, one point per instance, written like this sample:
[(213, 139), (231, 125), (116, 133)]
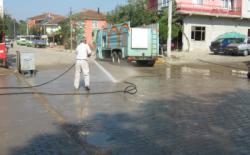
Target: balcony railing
[(207, 9)]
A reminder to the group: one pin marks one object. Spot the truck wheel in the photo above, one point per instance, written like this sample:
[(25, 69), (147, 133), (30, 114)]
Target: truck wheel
[(151, 63), (119, 58), (114, 57), (245, 53), (248, 75), (141, 62), (97, 55)]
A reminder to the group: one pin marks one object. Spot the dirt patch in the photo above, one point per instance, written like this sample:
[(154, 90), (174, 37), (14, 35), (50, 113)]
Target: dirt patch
[(5, 71)]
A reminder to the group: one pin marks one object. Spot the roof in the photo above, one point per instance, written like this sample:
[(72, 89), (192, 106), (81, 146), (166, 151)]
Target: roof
[(231, 35), (90, 14), (46, 15), (56, 20)]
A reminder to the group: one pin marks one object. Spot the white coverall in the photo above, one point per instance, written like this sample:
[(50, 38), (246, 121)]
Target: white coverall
[(82, 53)]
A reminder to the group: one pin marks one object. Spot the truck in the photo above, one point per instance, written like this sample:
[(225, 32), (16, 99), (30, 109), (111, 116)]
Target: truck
[(40, 41), (122, 42), (3, 50), (240, 46)]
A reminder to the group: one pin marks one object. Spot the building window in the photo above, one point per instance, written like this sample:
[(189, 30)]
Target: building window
[(198, 33), (228, 4), (199, 2), (248, 5), (164, 3), (94, 24)]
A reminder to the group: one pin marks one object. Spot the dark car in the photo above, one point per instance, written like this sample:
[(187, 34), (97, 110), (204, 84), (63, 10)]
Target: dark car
[(219, 45), (239, 47), (39, 43)]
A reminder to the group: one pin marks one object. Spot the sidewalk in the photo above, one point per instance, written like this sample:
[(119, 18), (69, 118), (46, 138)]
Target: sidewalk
[(206, 57)]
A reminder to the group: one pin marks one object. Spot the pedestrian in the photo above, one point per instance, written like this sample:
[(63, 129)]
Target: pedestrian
[(83, 52)]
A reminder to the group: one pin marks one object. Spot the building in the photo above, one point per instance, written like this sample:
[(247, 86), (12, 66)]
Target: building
[(204, 20), (1, 9), (157, 4), (48, 22), (92, 21)]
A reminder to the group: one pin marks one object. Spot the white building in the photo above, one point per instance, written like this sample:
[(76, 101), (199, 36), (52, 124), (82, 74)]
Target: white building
[(205, 20), (1, 9)]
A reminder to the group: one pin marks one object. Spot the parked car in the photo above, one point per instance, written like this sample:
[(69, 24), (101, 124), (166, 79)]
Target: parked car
[(8, 43), (21, 41), (219, 45), (39, 43), (30, 43), (239, 47)]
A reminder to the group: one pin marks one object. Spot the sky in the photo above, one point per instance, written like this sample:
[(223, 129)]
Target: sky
[(23, 9)]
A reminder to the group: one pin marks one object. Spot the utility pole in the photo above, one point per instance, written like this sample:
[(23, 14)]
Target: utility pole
[(27, 29), (170, 6), (70, 20), (14, 35)]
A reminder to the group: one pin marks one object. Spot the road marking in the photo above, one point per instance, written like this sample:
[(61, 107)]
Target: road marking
[(59, 118), (240, 72), (63, 122), (111, 77)]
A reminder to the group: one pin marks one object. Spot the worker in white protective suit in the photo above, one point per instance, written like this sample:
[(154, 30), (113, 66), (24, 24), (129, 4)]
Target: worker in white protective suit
[(83, 52)]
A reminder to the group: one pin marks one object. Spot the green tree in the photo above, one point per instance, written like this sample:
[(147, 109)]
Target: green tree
[(77, 30), (163, 24), (135, 12), (22, 27), (35, 30), (64, 32), (7, 25)]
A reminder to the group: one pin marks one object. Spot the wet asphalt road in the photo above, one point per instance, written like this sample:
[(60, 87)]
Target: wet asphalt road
[(179, 109)]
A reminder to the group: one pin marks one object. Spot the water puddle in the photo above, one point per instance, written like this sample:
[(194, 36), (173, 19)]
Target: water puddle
[(94, 138), (240, 73), (204, 72)]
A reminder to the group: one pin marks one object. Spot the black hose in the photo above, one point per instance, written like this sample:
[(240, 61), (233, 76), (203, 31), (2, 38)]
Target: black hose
[(130, 89), (39, 85)]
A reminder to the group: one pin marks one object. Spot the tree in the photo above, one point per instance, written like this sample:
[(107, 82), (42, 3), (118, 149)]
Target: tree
[(64, 32), (134, 12), (7, 25), (22, 27), (35, 30), (163, 22)]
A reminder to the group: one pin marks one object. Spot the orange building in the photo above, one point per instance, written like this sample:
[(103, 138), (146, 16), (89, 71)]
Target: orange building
[(93, 20)]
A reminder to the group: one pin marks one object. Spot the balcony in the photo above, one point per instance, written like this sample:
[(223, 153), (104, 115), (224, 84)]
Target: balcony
[(210, 10)]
